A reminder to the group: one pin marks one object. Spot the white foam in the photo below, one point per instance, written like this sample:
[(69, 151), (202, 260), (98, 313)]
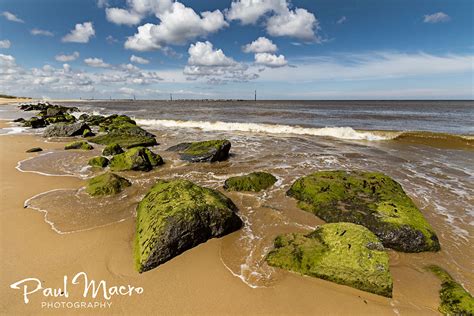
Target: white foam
[(13, 130), (336, 132)]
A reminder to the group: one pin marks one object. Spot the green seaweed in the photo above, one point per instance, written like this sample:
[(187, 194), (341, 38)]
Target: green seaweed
[(455, 300), (137, 158), (106, 184), (100, 162), (255, 181), (202, 148), (79, 145), (112, 149), (343, 253), (371, 199)]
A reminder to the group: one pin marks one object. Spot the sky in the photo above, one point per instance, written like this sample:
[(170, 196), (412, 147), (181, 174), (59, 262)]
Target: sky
[(223, 49)]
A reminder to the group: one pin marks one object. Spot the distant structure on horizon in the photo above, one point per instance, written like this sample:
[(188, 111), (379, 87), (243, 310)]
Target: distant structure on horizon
[(255, 97)]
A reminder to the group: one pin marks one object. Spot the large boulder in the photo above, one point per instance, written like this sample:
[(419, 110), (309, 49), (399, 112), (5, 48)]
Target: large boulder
[(35, 122), (137, 158), (207, 151), (343, 253), (371, 199), (255, 181), (65, 130), (99, 162), (106, 184), (177, 215), (82, 145), (112, 149), (455, 300)]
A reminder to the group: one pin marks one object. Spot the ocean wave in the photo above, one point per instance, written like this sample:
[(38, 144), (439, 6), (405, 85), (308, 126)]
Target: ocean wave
[(336, 132)]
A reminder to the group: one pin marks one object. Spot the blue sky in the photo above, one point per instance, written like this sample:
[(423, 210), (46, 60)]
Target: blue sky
[(334, 49)]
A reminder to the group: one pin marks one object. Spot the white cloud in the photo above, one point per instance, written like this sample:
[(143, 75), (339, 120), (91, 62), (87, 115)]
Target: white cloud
[(437, 17), (65, 58), (298, 23), (96, 62), (41, 32), (270, 60), (179, 25), (341, 20), (81, 34), (203, 54), (102, 3), (127, 91), (249, 11), (139, 60), (122, 16), (260, 45), (5, 44), (11, 17), (111, 40)]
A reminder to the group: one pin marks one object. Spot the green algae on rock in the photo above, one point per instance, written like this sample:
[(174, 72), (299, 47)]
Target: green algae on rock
[(100, 162), (455, 300), (137, 158), (255, 181), (177, 215), (79, 145), (112, 149), (344, 253), (106, 184), (371, 199), (206, 151)]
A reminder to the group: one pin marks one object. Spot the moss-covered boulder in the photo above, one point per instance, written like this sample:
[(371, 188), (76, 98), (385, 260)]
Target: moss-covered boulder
[(35, 122), (137, 158), (112, 149), (34, 150), (177, 215), (60, 118), (207, 151), (371, 199), (79, 145), (87, 133), (106, 184), (343, 253), (455, 300), (255, 181), (99, 162)]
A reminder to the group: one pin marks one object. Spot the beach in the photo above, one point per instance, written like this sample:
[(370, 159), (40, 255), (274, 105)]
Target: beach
[(210, 278)]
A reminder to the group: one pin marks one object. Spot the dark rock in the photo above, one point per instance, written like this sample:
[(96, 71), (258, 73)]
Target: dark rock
[(35, 122), (112, 150), (177, 215), (65, 130), (34, 150), (99, 162), (207, 151), (18, 120)]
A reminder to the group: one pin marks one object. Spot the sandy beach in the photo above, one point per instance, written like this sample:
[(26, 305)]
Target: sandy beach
[(195, 282)]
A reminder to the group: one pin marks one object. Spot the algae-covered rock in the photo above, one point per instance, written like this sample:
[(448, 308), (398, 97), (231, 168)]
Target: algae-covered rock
[(35, 122), (177, 215), (100, 162), (79, 145), (137, 158), (106, 184), (34, 150), (455, 300), (255, 181), (112, 149), (210, 151), (65, 130), (371, 199), (343, 253), (87, 133)]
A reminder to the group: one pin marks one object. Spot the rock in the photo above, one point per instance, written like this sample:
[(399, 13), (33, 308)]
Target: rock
[(112, 149), (177, 215), (87, 133), (60, 118), (35, 122), (93, 120), (210, 151), (137, 158), (18, 120), (100, 162), (106, 184), (34, 150), (79, 145), (371, 199), (65, 130), (455, 300), (53, 111), (336, 252), (255, 181), (84, 117)]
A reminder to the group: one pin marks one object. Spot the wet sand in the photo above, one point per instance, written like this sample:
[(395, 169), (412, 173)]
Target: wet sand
[(196, 282)]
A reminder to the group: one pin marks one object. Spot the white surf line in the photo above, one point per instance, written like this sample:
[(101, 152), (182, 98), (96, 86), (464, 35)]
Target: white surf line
[(26, 205)]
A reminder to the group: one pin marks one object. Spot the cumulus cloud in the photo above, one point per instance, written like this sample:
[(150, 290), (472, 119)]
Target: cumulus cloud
[(5, 44), (438, 17), (203, 54), (96, 62), (341, 20), (250, 11), (122, 16), (270, 60), (260, 45), (298, 23), (81, 33), (41, 32), (11, 17), (65, 58), (179, 25), (139, 60)]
